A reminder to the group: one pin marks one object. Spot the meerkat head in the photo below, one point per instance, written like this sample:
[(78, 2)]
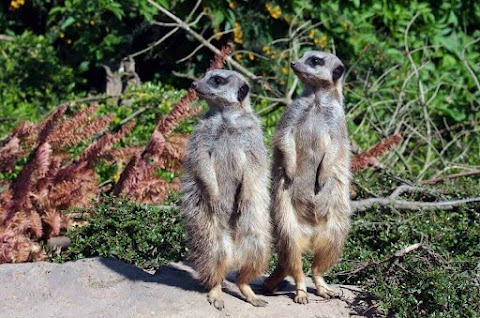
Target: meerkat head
[(223, 88), (319, 69)]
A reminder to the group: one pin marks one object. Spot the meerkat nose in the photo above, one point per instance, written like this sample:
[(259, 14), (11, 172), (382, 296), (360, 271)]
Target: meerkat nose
[(292, 64), (194, 85)]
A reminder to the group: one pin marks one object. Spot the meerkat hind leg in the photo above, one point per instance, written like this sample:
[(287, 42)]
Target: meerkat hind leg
[(273, 281), (301, 296), (321, 264), (215, 297), (243, 279)]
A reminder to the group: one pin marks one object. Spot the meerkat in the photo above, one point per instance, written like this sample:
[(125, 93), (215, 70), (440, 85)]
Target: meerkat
[(226, 188), (311, 176)]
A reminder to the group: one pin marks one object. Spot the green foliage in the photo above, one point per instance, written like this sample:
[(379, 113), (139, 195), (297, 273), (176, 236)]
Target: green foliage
[(146, 236), (437, 280), (32, 80), (77, 24)]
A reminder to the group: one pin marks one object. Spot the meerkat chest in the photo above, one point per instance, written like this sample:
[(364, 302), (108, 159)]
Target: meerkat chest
[(315, 128), (229, 143)]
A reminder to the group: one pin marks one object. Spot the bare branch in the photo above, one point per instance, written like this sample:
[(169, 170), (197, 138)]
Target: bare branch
[(365, 204), (452, 176), (408, 249), (185, 26), (7, 38)]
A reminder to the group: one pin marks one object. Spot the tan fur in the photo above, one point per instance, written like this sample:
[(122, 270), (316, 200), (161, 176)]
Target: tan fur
[(225, 188), (311, 176)]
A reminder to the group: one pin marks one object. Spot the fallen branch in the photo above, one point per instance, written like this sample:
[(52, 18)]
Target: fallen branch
[(391, 200), (452, 176), (408, 249)]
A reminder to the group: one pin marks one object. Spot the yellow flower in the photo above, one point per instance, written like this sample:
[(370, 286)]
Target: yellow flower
[(238, 57), (61, 35), (285, 70), (15, 4), (69, 41), (237, 33), (266, 49), (217, 36), (311, 34), (232, 4), (251, 57), (283, 55), (323, 40), (274, 11), (92, 22)]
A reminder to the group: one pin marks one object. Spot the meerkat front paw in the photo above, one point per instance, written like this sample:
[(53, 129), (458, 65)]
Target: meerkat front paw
[(301, 297), (288, 177)]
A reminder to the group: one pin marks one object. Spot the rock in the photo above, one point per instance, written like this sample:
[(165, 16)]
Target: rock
[(100, 287)]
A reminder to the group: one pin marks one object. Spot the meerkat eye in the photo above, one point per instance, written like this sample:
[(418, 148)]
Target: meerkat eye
[(218, 80), (317, 61)]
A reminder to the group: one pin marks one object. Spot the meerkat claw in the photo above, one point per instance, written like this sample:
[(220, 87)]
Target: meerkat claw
[(217, 303), (301, 297)]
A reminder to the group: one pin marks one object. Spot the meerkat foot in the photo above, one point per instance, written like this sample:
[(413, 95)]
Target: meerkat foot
[(326, 292), (250, 296), (323, 290), (258, 302), (215, 297), (301, 297)]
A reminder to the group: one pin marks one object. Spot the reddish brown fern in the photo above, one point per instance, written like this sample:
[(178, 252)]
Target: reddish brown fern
[(49, 182), (371, 156)]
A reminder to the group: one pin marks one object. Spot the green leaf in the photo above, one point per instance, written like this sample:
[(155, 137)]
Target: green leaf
[(83, 67), (68, 22)]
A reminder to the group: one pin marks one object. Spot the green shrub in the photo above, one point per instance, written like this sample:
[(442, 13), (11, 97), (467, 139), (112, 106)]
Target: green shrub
[(440, 279), (32, 79), (146, 236)]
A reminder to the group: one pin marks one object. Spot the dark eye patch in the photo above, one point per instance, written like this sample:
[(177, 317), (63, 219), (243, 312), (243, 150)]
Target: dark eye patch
[(316, 61), (218, 80)]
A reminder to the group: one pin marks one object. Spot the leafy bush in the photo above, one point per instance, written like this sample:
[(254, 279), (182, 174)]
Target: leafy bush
[(143, 235), (32, 79), (439, 279)]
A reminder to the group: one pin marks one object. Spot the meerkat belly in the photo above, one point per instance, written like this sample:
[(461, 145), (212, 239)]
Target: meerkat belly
[(230, 159), (312, 141)]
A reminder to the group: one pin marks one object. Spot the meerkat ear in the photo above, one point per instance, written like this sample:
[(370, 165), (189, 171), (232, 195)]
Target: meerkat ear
[(337, 73), (243, 92)]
